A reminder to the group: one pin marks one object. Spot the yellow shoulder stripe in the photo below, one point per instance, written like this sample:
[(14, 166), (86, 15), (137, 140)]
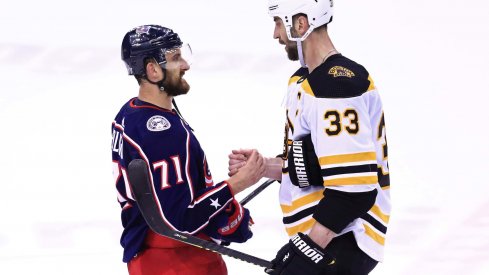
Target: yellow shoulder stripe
[(315, 196), (345, 158), (351, 181), (307, 87), (294, 79), (300, 227), (376, 210), (372, 85), (374, 235)]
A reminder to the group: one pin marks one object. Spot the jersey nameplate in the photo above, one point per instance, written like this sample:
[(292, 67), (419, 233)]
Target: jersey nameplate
[(158, 123)]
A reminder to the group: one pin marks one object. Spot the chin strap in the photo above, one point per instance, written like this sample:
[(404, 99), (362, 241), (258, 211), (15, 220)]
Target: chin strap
[(301, 54), (159, 83), (180, 114), (299, 44)]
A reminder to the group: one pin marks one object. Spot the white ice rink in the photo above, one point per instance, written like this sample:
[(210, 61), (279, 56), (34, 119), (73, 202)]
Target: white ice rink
[(62, 82)]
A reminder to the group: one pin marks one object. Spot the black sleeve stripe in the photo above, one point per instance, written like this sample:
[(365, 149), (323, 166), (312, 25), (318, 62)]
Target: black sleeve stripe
[(375, 223), (299, 215), (349, 170), (384, 180)]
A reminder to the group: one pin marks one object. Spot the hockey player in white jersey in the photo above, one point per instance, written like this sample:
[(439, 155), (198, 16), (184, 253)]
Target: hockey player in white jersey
[(334, 174)]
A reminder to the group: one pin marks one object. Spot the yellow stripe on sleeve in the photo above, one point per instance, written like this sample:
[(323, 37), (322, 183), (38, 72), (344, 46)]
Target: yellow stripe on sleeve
[(300, 227), (376, 210), (351, 181), (315, 196), (374, 235), (345, 158)]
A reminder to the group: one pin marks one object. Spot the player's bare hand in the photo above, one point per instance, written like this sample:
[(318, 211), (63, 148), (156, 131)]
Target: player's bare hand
[(250, 173), (236, 160)]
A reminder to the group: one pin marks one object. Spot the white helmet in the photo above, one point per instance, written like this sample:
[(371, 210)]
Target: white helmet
[(318, 12)]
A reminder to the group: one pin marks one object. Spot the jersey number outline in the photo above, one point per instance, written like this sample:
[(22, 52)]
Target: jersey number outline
[(335, 119), (163, 164)]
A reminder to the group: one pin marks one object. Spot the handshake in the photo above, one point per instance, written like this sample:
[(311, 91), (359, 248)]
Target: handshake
[(246, 167)]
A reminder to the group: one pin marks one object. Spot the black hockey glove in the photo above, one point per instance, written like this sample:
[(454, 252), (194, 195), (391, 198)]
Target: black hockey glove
[(304, 168), (301, 256)]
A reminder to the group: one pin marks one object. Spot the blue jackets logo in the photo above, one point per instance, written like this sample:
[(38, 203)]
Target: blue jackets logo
[(158, 123)]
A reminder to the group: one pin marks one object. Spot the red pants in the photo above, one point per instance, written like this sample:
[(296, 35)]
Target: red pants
[(164, 256)]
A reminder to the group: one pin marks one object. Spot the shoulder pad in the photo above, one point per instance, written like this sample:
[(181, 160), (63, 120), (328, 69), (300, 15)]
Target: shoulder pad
[(298, 74), (338, 77)]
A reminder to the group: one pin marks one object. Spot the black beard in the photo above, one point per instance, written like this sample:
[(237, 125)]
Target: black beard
[(292, 52)]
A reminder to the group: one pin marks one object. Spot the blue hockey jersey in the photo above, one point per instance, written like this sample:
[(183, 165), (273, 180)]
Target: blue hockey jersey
[(190, 201)]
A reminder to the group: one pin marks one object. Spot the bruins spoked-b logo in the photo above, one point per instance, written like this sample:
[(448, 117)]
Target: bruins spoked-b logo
[(158, 123), (337, 71)]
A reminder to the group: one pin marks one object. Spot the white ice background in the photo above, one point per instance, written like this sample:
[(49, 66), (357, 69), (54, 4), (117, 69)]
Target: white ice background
[(62, 82)]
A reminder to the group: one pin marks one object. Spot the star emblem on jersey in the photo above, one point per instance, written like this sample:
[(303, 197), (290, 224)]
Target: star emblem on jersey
[(158, 123), (215, 203)]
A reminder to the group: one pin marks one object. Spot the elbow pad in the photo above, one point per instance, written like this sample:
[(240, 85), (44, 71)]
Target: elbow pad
[(338, 209)]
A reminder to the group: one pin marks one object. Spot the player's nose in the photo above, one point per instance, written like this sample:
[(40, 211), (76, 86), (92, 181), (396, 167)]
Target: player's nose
[(185, 65)]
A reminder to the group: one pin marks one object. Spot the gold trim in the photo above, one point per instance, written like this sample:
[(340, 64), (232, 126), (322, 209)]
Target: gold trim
[(351, 181), (372, 85), (294, 79), (376, 210), (307, 88), (336, 159), (300, 227), (374, 235), (312, 197)]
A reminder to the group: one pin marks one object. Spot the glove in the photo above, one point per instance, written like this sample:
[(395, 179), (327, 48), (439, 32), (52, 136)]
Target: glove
[(301, 256), (303, 165), (233, 225), (237, 227)]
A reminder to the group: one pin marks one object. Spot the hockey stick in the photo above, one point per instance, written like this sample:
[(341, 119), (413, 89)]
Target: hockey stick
[(256, 191), (145, 198)]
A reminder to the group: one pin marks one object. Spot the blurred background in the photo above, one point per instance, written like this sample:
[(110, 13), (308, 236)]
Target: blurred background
[(62, 83)]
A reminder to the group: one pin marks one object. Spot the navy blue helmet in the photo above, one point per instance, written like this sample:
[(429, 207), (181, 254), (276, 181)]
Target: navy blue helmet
[(147, 41)]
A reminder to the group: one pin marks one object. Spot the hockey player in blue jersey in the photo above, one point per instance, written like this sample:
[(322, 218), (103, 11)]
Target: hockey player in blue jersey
[(148, 128)]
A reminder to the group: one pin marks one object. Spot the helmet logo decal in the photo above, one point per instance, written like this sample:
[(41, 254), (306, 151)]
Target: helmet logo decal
[(158, 123), (337, 71), (142, 29)]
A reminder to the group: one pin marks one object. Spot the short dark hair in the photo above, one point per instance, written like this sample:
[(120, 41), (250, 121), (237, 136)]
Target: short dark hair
[(139, 77)]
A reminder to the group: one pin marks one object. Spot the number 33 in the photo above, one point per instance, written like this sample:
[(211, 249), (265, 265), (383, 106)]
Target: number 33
[(335, 118)]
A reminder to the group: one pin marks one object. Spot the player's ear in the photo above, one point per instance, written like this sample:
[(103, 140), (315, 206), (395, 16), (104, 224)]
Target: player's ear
[(152, 71), (302, 24)]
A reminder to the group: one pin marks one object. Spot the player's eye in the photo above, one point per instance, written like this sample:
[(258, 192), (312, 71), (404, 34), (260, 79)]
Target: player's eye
[(177, 57)]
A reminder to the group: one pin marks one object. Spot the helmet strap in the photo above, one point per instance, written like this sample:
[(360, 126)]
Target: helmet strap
[(159, 83), (301, 54), (299, 40), (180, 114)]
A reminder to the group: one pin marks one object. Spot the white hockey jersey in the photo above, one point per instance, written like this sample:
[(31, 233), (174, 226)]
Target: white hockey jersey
[(339, 105)]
